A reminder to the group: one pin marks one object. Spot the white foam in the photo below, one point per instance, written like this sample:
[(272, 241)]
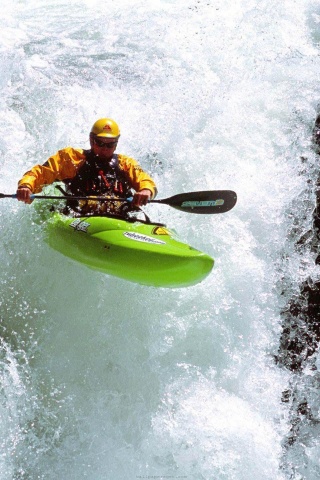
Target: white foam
[(124, 381)]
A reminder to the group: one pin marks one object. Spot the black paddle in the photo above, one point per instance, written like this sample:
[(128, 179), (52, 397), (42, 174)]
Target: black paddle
[(211, 201)]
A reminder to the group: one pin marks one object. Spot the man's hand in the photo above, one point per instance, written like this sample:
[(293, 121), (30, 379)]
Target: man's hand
[(23, 195), (141, 198)]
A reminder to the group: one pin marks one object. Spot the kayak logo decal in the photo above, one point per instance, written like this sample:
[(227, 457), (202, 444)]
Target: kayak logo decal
[(203, 203), (80, 225), (143, 238), (160, 231)]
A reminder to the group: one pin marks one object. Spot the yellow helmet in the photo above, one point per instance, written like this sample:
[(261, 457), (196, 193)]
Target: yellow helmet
[(105, 127)]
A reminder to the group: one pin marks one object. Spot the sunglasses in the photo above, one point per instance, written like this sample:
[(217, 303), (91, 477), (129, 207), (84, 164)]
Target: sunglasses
[(102, 144)]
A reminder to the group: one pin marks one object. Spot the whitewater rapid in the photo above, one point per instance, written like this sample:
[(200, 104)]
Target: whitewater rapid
[(105, 379)]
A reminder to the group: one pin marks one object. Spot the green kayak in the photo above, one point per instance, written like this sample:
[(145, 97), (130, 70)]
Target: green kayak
[(144, 253)]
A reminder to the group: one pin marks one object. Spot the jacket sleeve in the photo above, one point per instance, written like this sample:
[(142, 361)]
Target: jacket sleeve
[(137, 177), (64, 164)]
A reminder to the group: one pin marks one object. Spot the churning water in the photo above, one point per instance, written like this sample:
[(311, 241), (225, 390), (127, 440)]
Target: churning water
[(103, 379)]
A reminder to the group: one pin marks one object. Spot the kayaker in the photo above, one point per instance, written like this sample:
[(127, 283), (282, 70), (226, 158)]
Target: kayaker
[(98, 171)]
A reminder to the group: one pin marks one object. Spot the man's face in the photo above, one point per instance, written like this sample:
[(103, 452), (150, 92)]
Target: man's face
[(103, 147)]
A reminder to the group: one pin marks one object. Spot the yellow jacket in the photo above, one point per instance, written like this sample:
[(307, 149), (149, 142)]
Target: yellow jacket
[(66, 163)]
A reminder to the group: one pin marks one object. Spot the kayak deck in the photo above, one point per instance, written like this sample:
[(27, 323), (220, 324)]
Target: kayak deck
[(143, 253)]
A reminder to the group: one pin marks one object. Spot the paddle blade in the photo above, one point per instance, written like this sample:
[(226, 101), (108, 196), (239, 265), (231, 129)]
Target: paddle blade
[(205, 202)]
